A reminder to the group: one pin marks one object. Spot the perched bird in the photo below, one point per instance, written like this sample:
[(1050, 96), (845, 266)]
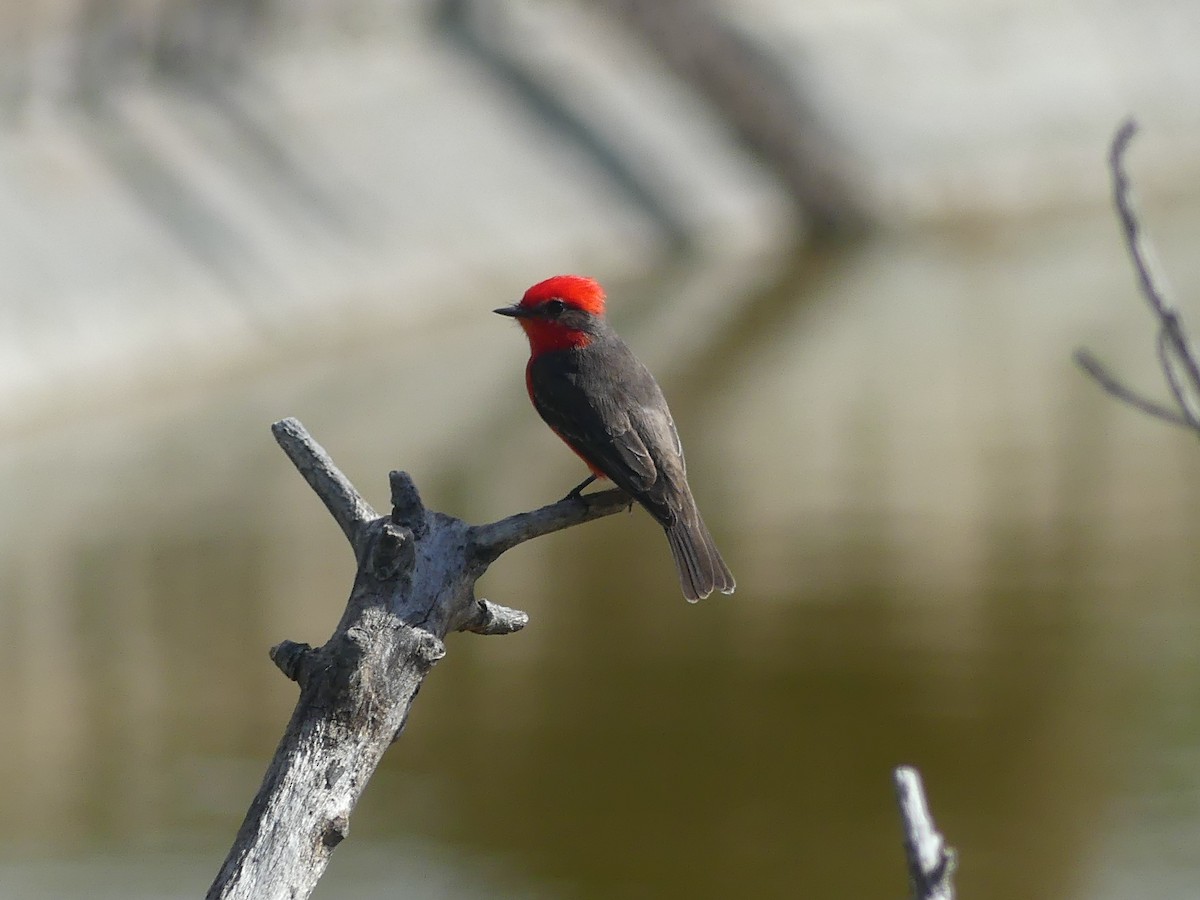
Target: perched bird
[(606, 406)]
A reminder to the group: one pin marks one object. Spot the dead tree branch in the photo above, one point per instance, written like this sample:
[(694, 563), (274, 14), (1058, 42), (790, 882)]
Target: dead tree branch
[(930, 862), (415, 583), (1176, 356)]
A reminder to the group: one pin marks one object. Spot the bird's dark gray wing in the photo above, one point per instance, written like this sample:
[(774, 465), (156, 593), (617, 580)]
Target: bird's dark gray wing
[(612, 428), (610, 410)]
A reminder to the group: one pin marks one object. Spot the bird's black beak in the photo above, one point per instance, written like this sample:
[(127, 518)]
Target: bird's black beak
[(514, 312)]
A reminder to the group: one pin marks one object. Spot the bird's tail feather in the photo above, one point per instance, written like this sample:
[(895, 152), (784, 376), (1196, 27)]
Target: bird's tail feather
[(701, 569)]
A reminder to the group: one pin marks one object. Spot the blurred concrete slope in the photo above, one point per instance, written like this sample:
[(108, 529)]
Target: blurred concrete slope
[(994, 107), (185, 184)]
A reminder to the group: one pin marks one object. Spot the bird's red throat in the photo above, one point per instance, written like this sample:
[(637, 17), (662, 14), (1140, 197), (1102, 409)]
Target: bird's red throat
[(546, 336)]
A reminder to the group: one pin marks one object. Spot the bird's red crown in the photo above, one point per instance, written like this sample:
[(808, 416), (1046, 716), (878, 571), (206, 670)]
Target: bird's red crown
[(573, 290)]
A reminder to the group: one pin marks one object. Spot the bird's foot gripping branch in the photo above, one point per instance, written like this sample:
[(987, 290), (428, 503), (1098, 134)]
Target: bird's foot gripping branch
[(415, 583)]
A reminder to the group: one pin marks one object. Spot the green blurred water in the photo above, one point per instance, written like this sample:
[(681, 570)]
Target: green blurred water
[(951, 551)]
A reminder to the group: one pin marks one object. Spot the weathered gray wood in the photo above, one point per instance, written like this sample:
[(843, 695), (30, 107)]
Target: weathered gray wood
[(415, 583), (930, 861)]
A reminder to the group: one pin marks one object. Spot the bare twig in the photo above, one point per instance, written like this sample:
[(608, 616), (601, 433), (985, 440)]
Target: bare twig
[(1109, 382), (492, 540), (416, 582), (491, 618), (1135, 239), (930, 862), (1176, 358), (1177, 365), (344, 503)]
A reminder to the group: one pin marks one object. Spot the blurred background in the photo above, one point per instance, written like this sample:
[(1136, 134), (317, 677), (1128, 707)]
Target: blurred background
[(857, 242)]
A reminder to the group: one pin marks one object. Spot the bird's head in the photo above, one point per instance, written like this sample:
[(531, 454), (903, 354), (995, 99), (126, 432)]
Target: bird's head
[(558, 313)]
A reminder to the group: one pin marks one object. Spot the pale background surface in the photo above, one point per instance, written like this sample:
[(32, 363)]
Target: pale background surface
[(952, 551)]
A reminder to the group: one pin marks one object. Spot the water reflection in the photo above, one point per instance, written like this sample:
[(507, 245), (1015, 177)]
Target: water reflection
[(951, 551)]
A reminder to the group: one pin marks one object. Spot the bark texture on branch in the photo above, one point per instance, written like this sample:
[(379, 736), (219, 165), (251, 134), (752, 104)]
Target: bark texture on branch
[(415, 583)]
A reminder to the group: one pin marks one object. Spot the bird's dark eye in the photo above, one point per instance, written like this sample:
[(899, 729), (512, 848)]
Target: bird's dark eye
[(554, 307)]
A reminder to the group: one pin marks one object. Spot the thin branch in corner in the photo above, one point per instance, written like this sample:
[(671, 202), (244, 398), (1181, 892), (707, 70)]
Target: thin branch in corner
[(1086, 361), (1176, 358), (1139, 247), (930, 862)]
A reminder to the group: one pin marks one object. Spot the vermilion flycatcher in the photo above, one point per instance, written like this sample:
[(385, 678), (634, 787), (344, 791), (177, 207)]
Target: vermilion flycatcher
[(606, 406)]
